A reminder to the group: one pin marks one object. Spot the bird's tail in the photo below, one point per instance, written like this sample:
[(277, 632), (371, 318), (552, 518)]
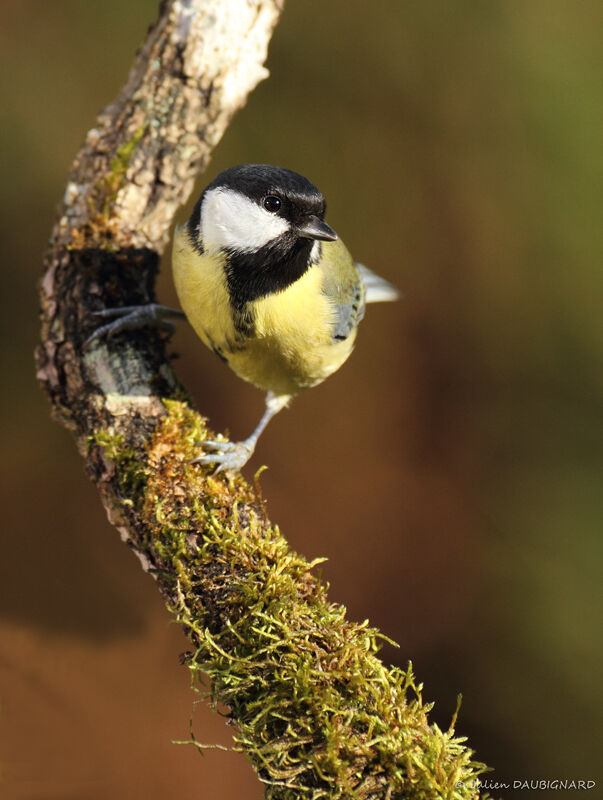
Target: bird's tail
[(378, 290)]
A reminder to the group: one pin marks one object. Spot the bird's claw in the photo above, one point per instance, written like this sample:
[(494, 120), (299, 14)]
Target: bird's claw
[(127, 318), (230, 456)]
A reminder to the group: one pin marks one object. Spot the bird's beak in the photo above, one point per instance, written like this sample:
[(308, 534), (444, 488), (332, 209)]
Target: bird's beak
[(316, 228)]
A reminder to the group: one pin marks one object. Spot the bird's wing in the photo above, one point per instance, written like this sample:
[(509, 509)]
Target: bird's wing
[(344, 288), (350, 310), (349, 287)]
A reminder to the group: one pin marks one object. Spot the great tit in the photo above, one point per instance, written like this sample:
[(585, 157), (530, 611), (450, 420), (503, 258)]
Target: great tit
[(268, 286)]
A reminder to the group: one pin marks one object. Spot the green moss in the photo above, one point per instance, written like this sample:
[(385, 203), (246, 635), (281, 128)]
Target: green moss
[(130, 470), (102, 229), (121, 160), (118, 167), (316, 711)]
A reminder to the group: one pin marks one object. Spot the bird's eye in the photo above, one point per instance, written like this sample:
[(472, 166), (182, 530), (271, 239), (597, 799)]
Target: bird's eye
[(272, 203)]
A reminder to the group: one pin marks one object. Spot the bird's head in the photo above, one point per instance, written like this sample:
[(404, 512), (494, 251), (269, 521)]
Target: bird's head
[(267, 220)]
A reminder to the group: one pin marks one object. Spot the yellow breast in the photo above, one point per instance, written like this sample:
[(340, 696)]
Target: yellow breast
[(201, 287), (291, 347)]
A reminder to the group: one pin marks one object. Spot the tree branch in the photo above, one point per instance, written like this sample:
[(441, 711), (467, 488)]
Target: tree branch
[(315, 710)]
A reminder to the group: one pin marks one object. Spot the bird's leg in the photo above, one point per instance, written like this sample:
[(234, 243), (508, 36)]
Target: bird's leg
[(128, 318), (234, 455)]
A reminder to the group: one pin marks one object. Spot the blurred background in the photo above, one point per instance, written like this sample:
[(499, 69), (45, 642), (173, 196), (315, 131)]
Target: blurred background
[(451, 471)]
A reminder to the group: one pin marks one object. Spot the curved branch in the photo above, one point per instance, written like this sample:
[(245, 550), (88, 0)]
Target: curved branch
[(316, 711)]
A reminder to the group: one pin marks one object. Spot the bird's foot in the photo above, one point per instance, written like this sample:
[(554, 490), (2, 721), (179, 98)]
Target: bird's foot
[(128, 318), (230, 456)]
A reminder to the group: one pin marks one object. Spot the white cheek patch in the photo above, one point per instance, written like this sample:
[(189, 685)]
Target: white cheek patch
[(231, 220)]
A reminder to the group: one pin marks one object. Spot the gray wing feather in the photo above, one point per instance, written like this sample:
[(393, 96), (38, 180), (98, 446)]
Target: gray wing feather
[(349, 287), (349, 314)]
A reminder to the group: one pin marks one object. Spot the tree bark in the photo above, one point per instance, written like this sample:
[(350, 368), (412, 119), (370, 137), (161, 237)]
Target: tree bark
[(316, 712)]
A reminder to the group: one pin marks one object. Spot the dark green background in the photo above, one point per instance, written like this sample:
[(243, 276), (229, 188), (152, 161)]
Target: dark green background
[(451, 471)]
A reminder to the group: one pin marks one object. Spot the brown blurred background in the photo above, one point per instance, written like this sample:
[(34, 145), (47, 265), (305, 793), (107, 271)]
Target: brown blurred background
[(451, 471)]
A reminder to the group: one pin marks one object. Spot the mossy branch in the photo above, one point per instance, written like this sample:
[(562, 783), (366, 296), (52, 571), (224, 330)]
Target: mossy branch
[(315, 710)]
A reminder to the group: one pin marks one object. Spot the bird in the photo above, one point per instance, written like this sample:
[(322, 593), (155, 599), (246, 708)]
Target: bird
[(268, 286)]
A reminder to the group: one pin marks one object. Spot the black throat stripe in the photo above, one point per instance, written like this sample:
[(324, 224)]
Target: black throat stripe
[(271, 269)]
